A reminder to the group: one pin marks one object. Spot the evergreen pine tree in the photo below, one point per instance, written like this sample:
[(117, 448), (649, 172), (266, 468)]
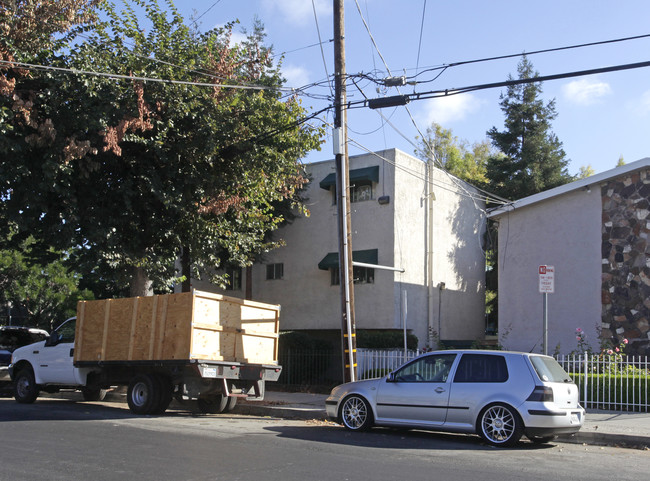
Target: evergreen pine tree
[(532, 158)]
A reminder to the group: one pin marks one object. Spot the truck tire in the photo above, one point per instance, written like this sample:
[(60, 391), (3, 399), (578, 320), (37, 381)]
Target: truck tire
[(25, 388), (232, 402), (166, 392), (213, 404), (93, 394), (143, 394)]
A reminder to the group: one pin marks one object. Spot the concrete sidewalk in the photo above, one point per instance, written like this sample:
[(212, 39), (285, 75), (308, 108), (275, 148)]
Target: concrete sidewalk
[(600, 428)]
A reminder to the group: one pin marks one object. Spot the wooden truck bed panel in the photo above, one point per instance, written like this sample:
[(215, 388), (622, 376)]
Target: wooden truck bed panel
[(196, 325)]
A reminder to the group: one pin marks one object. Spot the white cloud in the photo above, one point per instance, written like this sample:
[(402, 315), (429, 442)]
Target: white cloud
[(236, 36), (444, 110), (585, 91), (296, 76), (299, 12)]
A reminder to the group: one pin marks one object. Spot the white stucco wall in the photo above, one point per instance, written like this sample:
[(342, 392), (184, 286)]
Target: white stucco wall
[(563, 231), (398, 230), (308, 299)]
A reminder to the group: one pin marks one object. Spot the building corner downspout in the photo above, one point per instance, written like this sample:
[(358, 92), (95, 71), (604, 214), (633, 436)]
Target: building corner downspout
[(429, 254)]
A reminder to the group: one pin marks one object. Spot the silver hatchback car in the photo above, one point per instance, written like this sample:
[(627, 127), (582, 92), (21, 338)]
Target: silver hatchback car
[(499, 395)]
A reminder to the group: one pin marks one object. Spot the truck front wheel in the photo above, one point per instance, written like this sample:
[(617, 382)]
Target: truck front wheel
[(25, 388), (143, 394)]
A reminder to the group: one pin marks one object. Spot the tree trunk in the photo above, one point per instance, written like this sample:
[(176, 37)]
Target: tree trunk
[(249, 282), (186, 271), (141, 285)]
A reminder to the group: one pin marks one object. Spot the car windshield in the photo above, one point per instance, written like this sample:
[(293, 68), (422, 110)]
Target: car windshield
[(549, 370)]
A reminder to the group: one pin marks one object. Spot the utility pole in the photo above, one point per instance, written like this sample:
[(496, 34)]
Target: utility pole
[(346, 279)]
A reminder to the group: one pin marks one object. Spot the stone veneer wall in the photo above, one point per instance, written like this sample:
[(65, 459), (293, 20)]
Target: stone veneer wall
[(626, 261)]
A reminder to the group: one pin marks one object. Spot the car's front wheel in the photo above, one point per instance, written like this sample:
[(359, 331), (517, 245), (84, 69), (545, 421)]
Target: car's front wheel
[(356, 414), (25, 387), (500, 425)]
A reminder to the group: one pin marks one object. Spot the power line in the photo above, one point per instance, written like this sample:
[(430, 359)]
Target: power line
[(424, 9), (320, 41), (114, 76), (508, 83), (535, 52)]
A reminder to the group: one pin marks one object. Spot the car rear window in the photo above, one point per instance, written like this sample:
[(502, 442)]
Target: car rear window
[(481, 368), (11, 339), (549, 370)]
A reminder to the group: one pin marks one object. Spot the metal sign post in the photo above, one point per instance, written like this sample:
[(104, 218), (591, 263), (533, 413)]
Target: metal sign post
[(546, 287)]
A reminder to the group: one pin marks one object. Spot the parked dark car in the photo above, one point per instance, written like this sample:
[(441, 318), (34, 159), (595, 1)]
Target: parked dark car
[(13, 337)]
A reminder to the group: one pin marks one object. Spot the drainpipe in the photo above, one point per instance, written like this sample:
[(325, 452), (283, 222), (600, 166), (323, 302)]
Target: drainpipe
[(430, 197)]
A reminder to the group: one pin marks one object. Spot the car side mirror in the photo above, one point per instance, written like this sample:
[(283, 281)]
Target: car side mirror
[(53, 340), (390, 377)]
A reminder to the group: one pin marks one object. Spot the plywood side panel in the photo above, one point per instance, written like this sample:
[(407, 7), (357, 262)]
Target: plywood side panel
[(118, 332), (142, 329), (178, 327), (90, 330)]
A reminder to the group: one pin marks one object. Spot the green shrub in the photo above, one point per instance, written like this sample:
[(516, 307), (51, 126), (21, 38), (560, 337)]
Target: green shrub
[(606, 391)]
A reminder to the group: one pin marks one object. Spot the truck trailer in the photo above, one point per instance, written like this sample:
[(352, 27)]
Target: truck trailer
[(194, 346)]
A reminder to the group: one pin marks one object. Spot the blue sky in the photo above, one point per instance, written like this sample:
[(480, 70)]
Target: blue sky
[(600, 117)]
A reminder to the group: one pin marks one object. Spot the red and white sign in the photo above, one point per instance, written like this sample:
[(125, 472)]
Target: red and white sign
[(546, 279)]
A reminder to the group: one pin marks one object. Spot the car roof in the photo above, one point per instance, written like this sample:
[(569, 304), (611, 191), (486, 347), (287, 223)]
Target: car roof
[(33, 330), (485, 351)]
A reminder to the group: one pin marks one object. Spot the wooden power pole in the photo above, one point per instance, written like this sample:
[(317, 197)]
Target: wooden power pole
[(348, 329)]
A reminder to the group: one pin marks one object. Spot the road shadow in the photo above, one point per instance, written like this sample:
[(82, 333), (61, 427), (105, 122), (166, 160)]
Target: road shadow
[(397, 439)]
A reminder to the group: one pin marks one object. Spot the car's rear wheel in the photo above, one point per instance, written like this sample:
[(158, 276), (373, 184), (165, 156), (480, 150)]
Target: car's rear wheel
[(500, 425), (232, 402), (166, 393), (143, 394), (213, 404), (25, 387), (93, 394), (356, 414)]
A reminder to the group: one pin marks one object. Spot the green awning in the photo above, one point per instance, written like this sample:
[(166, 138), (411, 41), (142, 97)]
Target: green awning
[(356, 175), (331, 260)]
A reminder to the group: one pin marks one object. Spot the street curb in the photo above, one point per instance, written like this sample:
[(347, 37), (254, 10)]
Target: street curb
[(607, 439), (279, 411)]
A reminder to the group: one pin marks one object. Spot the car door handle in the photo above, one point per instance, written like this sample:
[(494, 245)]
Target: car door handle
[(440, 389)]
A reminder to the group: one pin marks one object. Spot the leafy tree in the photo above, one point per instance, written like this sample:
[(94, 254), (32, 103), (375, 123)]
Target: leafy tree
[(585, 171), (533, 158), (454, 155), (621, 161), (137, 172), (45, 294)]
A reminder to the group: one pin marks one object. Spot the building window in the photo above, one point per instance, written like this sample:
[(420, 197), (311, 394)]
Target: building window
[(234, 279), (274, 271), (361, 191), (362, 275)]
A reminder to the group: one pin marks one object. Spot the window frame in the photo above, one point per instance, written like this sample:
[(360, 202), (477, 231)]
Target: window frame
[(275, 271), (234, 279), (360, 275), (461, 377)]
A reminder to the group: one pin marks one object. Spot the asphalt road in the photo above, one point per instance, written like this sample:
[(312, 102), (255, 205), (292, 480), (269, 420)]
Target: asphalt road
[(58, 439)]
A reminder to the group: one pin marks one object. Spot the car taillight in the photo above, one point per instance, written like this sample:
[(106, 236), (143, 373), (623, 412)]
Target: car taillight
[(541, 394)]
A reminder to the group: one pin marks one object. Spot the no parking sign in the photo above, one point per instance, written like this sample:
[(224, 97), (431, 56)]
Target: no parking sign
[(546, 279)]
